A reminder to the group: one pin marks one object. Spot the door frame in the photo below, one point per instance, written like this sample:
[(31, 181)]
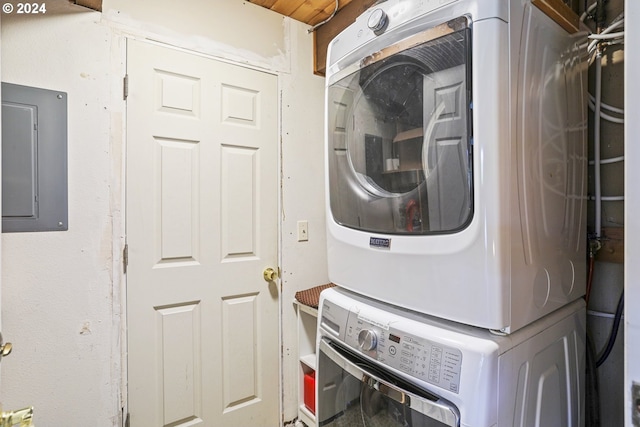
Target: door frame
[(120, 257), (632, 250)]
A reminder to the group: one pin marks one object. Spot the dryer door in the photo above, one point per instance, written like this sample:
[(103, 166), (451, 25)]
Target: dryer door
[(354, 393), (399, 136)]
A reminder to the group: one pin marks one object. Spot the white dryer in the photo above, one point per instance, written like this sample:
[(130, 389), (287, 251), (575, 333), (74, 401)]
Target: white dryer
[(456, 160), (380, 366)]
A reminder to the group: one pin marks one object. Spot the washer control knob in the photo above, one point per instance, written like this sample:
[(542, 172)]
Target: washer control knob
[(367, 340), (377, 20)]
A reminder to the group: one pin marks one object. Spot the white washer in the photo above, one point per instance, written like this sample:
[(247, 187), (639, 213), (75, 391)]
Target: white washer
[(457, 159), (378, 365)]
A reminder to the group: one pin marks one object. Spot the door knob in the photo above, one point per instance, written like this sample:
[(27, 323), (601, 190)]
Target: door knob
[(21, 418), (269, 274), (5, 348)]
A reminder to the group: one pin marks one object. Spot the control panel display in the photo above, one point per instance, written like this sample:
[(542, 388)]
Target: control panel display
[(418, 357)]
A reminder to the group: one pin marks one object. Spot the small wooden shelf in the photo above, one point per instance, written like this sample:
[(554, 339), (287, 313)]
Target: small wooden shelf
[(309, 360), (307, 309), (402, 171), (561, 13), (307, 327), (409, 134)]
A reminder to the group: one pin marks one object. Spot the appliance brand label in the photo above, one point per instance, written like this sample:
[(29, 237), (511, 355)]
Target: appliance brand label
[(379, 242), (373, 322)]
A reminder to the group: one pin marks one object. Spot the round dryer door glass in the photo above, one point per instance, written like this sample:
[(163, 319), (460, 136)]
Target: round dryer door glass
[(399, 150)]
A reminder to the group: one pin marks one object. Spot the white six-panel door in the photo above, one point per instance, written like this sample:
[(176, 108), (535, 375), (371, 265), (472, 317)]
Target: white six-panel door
[(201, 206)]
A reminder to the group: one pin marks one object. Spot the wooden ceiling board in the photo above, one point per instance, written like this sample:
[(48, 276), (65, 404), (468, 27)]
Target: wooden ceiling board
[(263, 3), (328, 11), (286, 7), (324, 13), (308, 11)]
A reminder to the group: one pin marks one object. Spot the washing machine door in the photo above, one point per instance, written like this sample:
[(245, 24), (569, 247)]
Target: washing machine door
[(354, 393)]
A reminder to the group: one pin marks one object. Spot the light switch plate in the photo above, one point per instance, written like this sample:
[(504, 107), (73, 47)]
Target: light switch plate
[(303, 231)]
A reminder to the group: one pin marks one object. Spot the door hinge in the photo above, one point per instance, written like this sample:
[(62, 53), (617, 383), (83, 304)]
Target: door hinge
[(125, 87), (127, 421), (125, 257)]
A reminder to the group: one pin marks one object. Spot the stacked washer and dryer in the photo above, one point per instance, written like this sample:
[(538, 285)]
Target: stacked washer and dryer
[(456, 166)]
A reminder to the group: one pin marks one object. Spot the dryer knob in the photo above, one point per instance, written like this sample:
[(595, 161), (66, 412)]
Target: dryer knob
[(367, 340), (377, 20)]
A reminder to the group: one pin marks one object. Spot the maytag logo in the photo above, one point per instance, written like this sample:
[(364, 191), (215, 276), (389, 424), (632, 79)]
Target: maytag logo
[(379, 242)]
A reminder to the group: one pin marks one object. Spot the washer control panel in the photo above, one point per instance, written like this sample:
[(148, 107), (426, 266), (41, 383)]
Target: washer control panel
[(419, 357)]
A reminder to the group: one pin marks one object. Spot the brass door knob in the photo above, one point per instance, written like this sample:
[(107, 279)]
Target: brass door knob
[(5, 348), (269, 274), (22, 418)]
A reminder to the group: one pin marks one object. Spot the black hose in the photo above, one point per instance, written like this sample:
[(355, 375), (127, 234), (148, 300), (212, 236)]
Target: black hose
[(601, 14), (592, 390), (614, 331)]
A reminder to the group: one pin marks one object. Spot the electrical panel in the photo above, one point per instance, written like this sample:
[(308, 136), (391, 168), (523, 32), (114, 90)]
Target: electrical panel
[(34, 159)]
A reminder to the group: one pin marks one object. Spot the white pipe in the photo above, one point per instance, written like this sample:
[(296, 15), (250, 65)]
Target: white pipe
[(604, 35), (596, 146), (611, 39), (606, 116), (611, 118), (586, 12), (609, 198), (610, 36), (608, 161), (601, 314), (610, 28), (312, 29), (607, 106)]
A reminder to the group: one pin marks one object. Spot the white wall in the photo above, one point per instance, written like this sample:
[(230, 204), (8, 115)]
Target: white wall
[(63, 292), (304, 263), (632, 207), (60, 308), (232, 29)]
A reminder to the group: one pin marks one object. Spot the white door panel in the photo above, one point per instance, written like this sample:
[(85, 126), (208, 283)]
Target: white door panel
[(201, 227)]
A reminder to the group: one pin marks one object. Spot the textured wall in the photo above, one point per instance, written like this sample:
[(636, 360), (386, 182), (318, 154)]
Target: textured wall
[(63, 293), (60, 307)]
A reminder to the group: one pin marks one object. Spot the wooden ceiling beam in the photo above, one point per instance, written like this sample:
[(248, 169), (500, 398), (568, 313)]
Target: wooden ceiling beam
[(285, 7)]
